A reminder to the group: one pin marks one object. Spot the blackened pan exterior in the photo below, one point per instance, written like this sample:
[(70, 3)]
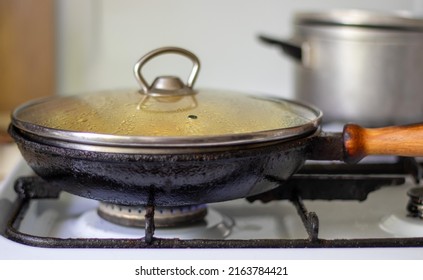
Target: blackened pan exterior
[(164, 180)]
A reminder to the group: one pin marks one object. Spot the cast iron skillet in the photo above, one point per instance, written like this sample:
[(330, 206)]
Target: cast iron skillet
[(174, 171), (205, 175)]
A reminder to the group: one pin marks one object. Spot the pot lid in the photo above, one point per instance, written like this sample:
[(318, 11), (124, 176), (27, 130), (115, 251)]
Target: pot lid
[(165, 113), (361, 18)]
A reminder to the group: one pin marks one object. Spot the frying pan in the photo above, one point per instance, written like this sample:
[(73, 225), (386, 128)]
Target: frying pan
[(190, 169)]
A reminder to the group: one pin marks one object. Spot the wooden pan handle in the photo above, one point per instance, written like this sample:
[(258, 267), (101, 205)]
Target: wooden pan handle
[(404, 140)]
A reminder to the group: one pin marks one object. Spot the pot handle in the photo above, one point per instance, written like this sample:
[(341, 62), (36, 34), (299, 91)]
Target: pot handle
[(406, 140), (297, 51)]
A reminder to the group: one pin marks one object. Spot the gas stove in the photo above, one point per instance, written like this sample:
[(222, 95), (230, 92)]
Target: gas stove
[(365, 211)]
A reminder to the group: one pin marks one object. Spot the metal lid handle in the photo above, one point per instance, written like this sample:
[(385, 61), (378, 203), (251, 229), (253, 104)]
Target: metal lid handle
[(143, 60)]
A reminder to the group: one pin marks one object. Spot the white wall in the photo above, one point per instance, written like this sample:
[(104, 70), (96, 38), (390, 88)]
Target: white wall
[(99, 41)]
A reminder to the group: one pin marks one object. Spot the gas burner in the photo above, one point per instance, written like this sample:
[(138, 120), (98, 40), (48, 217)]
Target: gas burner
[(415, 204), (215, 225), (134, 216)]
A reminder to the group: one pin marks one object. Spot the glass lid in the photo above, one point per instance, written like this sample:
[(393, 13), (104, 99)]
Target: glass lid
[(167, 112)]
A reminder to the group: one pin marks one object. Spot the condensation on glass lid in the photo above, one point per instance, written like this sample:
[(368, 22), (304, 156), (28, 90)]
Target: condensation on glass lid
[(130, 113)]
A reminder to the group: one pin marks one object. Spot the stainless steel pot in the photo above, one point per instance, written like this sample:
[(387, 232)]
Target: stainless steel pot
[(358, 66)]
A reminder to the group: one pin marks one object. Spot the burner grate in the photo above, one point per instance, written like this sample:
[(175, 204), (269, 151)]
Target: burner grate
[(300, 187)]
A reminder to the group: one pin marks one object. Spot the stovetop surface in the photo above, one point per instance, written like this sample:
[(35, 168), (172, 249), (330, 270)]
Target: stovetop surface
[(382, 215)]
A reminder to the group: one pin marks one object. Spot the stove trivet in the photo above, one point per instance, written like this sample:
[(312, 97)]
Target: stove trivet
[(134, 216), (343, 182), (327, 187), (29, 188), (402, 166)]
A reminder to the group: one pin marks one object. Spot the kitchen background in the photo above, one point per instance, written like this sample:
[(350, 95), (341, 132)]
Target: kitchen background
[(66, 47), (72, 46), (99, 41)]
